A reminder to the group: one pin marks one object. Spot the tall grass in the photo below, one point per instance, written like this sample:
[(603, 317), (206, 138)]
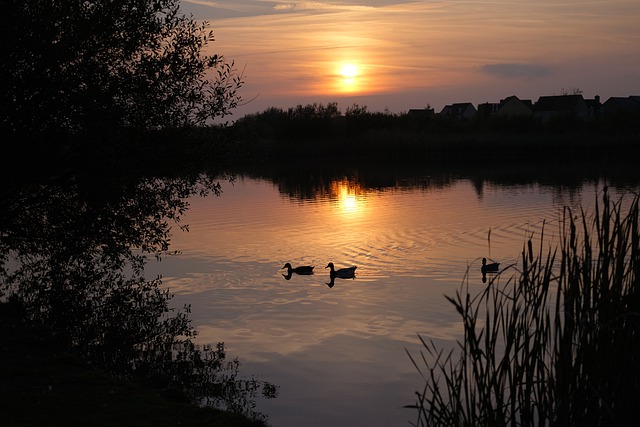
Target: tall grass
[(556, 343)]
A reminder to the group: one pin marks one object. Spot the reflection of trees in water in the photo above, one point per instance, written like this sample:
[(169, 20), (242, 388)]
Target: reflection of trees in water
[(74, 257), (312, 180)]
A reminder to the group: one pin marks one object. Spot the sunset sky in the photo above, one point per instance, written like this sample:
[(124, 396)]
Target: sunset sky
[(395, 55)]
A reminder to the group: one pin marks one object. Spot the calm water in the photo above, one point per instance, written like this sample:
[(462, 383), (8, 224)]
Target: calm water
[(337, 351)]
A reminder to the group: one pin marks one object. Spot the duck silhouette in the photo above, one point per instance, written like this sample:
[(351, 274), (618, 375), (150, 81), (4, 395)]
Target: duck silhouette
[(493, 267), (302, 270), (342, 273)]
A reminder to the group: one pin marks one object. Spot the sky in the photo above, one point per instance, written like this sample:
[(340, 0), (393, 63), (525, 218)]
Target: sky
[(395, 55)]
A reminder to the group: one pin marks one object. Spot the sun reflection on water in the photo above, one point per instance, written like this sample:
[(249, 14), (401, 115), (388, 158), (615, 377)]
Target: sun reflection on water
[(349, 197)]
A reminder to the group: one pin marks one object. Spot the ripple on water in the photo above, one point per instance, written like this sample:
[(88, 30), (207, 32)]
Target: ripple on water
[(411, 247)]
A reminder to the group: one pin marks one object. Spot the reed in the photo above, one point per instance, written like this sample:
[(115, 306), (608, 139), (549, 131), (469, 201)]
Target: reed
[(556, 343)]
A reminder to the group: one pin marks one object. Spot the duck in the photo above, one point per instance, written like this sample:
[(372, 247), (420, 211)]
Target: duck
[(343, 273), (303, 269), (493, 267)]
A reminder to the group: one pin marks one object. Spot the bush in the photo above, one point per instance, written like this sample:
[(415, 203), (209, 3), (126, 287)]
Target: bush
[(557, 344)]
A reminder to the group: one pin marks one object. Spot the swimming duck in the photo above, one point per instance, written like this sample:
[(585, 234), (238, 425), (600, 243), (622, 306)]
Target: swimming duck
[(303, 269), (494, 267), (343, 273)]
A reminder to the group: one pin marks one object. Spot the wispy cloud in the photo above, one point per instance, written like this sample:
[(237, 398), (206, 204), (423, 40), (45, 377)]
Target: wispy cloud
[(336, 4), (211, 9), (247, 8), (316, 6), (512, 70)]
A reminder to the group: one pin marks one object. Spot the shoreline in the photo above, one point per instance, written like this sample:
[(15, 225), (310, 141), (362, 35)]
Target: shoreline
[(41, 383)]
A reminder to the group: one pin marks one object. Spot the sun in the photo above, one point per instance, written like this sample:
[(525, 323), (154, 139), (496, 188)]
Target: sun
[(348, 71), (349, 77)]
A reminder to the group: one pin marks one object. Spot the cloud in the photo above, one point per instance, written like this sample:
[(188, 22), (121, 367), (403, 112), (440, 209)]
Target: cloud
[(313, 6), (511, 70), (221, 9), (216, 10), (304, 5)]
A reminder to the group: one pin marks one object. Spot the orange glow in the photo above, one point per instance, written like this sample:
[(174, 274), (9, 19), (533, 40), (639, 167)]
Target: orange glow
[(349, 197), (440, 53), (349, 78), (349, 71)]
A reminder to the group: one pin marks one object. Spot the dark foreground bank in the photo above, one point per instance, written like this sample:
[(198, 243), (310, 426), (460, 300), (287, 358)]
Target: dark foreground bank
[(41, 384)]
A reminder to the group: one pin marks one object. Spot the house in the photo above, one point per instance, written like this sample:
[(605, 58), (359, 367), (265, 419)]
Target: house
[(560, 105), (512, 106), (421, 113), (616, 106), (488, 109), (463, 110), (594, 107)]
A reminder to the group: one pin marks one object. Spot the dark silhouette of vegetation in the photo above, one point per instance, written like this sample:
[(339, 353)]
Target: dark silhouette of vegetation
[(323, 132), (95, 95), (557, 344), (42, 384), (97, 67), (72, 257)]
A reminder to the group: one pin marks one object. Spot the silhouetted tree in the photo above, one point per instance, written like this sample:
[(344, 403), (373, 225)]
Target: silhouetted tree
[(73, 261), (78, 66)]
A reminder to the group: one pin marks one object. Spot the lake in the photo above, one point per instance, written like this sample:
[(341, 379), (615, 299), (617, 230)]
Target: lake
[(338, 350)]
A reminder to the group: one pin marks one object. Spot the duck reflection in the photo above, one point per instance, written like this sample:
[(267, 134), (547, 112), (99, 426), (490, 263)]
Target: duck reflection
[(331, 282), (303, 270)]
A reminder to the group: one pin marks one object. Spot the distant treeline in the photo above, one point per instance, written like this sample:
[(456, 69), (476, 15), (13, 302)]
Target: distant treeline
[(325, 135), (318, 131), (314, 120)]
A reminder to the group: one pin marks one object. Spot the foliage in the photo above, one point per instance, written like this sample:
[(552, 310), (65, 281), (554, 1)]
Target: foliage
[(557, 344), (92, 66), (74, 260), (303, 134), (295, 122), (41, 384)]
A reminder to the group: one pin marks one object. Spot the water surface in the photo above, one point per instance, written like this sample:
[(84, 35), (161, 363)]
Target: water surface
[(337, 350)]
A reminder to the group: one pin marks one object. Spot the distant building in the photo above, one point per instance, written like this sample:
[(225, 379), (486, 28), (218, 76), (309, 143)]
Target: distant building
[(463, 110), (594, 107), (621, 106), (561, 105), (488, 109), (512, 106), (421, 113)]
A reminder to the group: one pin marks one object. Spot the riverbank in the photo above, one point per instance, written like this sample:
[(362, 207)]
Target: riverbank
[(42, 384)]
